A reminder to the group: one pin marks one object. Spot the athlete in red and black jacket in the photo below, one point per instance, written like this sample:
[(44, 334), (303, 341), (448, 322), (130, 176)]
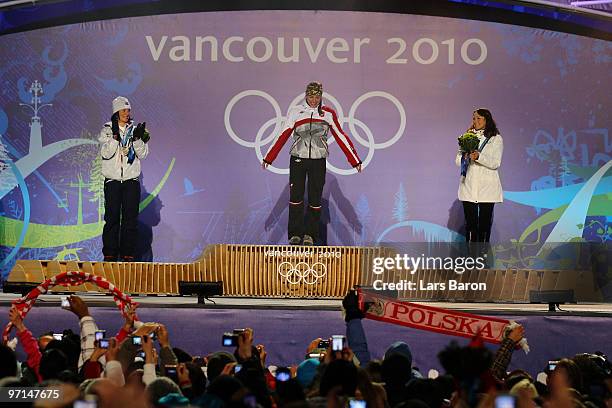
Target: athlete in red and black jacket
[(309, 124)]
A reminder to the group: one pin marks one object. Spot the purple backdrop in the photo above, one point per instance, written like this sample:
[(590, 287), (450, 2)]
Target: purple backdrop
[(547, 92)]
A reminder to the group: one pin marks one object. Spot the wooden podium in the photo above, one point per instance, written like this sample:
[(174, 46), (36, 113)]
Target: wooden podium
[(304, 272)]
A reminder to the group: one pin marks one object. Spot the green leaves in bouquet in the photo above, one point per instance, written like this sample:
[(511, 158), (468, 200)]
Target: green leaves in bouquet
[(468, 142)]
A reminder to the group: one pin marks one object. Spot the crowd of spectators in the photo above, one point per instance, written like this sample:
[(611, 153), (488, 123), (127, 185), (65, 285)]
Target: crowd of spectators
[(138, 367)]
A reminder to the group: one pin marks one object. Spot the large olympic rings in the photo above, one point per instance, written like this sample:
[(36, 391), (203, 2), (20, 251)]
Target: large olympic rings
[(353, 124), (302, 272)]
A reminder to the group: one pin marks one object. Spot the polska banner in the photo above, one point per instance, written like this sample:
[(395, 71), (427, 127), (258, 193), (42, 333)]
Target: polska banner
[(434, 319)]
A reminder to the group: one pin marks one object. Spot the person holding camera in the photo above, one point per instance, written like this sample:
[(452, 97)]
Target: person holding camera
[(123, 146), (309, 124)]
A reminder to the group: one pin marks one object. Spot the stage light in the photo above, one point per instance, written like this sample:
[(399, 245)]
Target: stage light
[(23, 288), (553, 297), (203, 290)]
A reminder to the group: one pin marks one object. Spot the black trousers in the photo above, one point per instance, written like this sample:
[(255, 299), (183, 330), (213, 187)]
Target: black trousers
[(299, 171), (121, 201), (478, 221)]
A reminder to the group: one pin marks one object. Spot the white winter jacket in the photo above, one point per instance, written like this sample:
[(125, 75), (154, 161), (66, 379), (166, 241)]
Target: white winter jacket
[(114, 162), (481, 183), (309, 131)]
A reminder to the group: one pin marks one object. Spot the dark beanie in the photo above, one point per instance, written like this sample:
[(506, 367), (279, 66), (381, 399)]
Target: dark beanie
[(216, 362)]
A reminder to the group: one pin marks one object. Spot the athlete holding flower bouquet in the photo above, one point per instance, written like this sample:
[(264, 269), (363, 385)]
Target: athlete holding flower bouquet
[(479, 157)]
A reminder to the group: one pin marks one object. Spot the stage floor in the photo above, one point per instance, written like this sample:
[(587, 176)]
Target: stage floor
[(224, 302)]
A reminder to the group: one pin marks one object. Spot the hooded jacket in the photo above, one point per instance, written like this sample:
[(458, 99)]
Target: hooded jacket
[(115, 164), (481, 183), (310, 131)]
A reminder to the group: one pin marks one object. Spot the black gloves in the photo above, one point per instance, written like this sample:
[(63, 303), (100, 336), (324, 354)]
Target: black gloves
[(115, 128), (139, 131), (146, 137), (350, 304)]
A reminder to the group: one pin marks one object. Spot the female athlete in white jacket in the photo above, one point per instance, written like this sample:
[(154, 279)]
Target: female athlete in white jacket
[(122, 148), (481, 188)]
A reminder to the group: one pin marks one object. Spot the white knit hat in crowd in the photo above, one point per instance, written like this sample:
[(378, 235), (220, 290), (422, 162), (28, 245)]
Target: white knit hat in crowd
[(121, 102)]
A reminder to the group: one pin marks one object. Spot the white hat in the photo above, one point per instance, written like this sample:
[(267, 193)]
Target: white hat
[(121, 102)]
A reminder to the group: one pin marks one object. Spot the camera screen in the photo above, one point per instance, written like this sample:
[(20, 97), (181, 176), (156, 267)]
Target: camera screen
[(65, 302), (100, 334), (353, 403), (229, 340), (85, 404), (337, 343), (237, 368), (137, 341), (504, 401), (58, 336), (283, 374), (104, 343)]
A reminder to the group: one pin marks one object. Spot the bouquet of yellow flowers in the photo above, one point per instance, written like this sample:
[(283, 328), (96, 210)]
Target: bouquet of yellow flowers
[(468, 142)]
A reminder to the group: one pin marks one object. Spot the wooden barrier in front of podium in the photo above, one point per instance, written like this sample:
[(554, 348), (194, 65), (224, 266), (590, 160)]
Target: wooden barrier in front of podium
[(307, 272)]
